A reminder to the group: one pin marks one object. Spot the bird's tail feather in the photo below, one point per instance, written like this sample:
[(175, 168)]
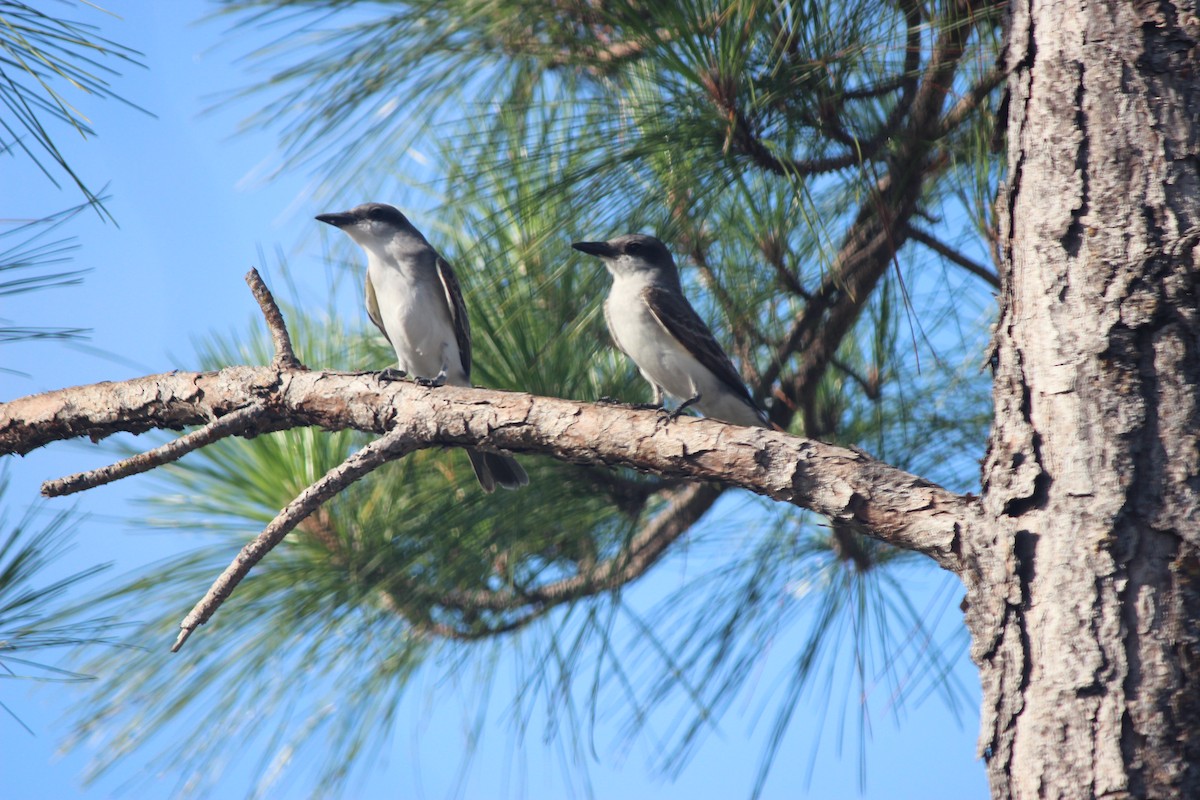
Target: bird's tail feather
[(494, 470)]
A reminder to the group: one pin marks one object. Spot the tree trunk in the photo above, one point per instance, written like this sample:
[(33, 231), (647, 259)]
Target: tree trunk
[(1084, 606)]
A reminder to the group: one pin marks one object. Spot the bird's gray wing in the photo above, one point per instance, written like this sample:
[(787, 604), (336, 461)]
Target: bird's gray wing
[(373, 309), (458, 313), (675, 313)]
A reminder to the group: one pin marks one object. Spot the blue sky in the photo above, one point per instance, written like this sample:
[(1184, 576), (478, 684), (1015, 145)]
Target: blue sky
[(194, 206)]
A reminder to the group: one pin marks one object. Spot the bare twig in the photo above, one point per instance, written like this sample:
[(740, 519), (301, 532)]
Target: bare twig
[(892, 504), (219, 428), (687, 504), (685, 507), (285, 357), (952, 255), (392, 445), (870, 385), (972, 99)]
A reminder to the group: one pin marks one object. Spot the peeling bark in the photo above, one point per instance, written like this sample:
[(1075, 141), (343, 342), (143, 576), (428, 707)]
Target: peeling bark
[(848, 486)]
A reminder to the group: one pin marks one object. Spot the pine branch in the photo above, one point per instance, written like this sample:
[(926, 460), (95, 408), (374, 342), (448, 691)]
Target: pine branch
[(228, 425), (846, 486), (950, 254), (839, 483), (871, 242), (392, 445)]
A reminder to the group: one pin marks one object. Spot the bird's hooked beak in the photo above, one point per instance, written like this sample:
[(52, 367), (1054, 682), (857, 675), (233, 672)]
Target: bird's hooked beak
[(340, 219), (601, 249)]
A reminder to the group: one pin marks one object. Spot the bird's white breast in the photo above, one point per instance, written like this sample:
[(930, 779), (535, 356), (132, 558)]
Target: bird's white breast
[(663, 360), (659, 355), (415, 314)]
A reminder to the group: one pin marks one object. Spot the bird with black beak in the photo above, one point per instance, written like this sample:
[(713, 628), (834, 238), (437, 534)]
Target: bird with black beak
[(413, 297), (653, 323)]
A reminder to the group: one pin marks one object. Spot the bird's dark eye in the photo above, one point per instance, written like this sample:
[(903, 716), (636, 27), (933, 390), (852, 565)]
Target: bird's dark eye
[(635, 249), (376, 214)]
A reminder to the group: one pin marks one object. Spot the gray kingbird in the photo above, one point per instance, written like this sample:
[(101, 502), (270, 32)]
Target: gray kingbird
[(414, 298), (654, 324)]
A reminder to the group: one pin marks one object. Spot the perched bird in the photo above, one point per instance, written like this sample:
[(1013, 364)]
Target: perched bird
[(414, 298), (654, 324)]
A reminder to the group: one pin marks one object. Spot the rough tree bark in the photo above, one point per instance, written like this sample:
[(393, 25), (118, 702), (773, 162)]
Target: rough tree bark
[(1085, 609)]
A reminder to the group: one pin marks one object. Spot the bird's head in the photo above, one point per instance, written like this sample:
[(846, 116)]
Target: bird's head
[(373, 225), (633, 254)]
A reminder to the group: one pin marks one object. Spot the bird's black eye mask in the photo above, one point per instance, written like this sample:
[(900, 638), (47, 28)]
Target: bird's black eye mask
[(381, 212)]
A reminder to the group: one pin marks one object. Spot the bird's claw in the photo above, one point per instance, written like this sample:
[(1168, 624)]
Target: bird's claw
[(432, 383), (664, 416), (612, 401), (684, 406), (391, 374)]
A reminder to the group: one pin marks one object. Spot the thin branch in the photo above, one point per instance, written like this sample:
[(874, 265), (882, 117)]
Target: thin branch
[(859, 150), (285, 357), (752, 146), (952, 255), (627, 494), (870, 385), (871, 242), (598, 60), (971, 100), (219, 428), (686, 506), (875, 90), (447, 631), (773, 249), (392, 445)]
